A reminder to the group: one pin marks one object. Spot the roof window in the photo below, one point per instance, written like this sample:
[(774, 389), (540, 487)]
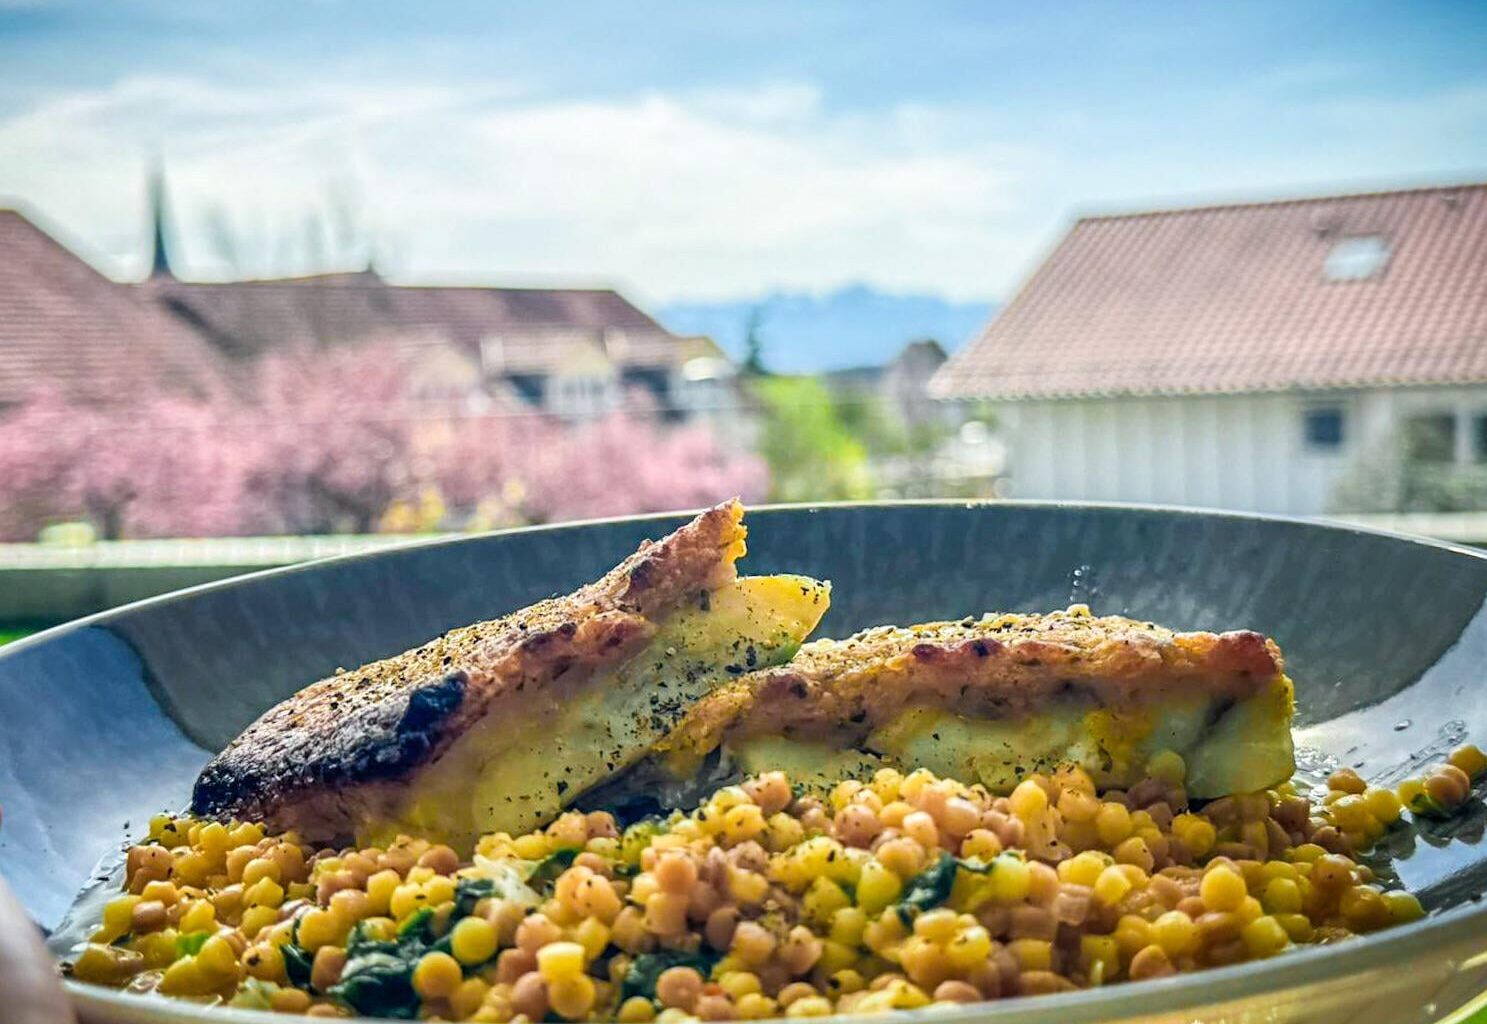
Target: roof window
[(1357, 258)]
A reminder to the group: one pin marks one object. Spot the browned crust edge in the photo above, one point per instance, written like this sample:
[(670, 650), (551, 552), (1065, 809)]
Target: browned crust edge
[(996, 666), (318, 759)]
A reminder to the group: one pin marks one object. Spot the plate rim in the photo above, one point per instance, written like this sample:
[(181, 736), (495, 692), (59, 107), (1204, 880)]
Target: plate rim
[(1181, 511)]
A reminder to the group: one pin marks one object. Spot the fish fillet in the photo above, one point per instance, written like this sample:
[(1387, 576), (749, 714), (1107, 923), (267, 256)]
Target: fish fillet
[(501, 724), (994, 698)]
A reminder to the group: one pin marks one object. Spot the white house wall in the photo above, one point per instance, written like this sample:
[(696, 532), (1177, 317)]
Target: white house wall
[(1227, 452), (1244, 452)]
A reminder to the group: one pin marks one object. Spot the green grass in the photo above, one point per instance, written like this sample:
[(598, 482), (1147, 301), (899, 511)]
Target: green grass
[(1480, 1017), (7, 635)]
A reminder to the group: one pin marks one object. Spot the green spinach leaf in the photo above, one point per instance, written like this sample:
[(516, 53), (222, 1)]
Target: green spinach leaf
[(297, 963), (550, 867), (928, 889), (640, 979), (379, 984), (470, 891), (377, 980), (420, 925)]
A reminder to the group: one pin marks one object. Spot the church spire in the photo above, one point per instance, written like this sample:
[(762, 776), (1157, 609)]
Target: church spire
[(159, 258)]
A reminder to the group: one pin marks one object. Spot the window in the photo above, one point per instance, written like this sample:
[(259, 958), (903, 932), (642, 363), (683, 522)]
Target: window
[(581, 396), (1479, 437), (1357, 258), (1323, 428), (705, 384), (1430, 438)]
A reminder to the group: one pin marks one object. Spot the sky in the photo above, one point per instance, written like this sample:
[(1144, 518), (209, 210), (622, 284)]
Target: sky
[(688, 151)]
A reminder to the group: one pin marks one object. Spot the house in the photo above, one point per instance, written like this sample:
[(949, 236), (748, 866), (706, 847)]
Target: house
[(900, 386), (572, 352), (918, 446), (576, 353), (1300, 356), (65, 327)]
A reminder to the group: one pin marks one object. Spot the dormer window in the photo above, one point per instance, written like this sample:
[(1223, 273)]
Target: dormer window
[(1357, 258)]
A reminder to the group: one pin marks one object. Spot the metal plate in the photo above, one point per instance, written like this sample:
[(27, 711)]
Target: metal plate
[(106, 721)]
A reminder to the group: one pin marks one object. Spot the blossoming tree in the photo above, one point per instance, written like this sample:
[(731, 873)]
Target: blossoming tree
[(329, 440)]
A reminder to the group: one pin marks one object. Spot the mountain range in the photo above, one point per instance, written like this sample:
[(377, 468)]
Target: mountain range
[(856, 325)]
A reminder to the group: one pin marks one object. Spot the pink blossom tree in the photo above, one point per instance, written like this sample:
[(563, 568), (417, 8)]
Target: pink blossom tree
[(486, 457), (153, 468), (624, 463), (327, 440), (329, 437)]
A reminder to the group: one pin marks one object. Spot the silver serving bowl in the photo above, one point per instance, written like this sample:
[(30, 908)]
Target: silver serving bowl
[(106, 721)]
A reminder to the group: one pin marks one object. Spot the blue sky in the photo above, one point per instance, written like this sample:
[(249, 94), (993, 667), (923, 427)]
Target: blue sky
[(695, 151)]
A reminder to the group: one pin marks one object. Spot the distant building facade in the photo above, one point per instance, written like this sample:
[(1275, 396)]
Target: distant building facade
[(941, 449), (575, 353), (1306, 356), (899, 386)]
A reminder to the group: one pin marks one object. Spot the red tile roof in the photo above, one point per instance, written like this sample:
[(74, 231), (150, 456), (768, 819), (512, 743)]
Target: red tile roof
[(65, 326), (1232, 299), (246, 318)]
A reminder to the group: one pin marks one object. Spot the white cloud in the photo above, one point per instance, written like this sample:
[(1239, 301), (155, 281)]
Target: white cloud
[(712, 194), (683, 194)]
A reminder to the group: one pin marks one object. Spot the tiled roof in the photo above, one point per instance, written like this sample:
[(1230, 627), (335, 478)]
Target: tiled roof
[(246, 318), (65, 326), (1232, 299)]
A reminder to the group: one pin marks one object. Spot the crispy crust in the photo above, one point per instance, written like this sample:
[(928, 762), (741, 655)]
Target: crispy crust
[(338, 751), (991, 666)]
